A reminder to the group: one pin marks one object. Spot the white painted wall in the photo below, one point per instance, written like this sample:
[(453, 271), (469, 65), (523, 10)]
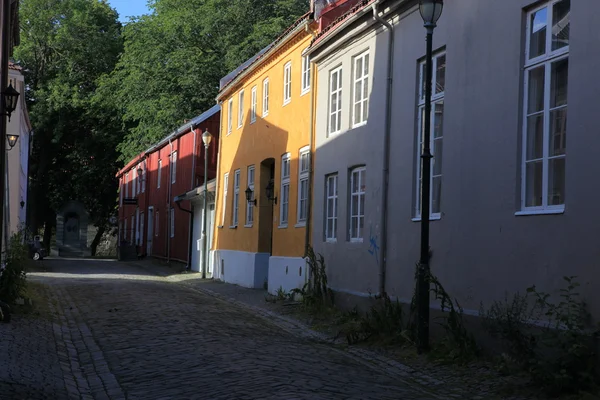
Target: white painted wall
[(287, 273), (241, 267)]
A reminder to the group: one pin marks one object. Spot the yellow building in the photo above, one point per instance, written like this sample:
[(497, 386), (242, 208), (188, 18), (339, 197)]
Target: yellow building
[(264, 153)]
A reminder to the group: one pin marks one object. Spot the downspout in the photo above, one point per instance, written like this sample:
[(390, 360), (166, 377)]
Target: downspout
[(386, 151), (170, 178), (147, 202), (310, 160), (191, 232)]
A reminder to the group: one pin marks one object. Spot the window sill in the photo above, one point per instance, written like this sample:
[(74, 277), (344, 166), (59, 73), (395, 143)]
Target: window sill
[(300, 225), (265, 115), (305, 91), (220, 226), (431, 218), (233, 227), (248, 226), (359, 125), (282, 226), (286, 102), (551, 211), (251, 122), (356, 240), (228, 133), (330, 240)]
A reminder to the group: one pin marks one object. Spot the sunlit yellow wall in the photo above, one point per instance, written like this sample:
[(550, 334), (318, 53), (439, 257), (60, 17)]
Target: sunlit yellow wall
[(284, 129)]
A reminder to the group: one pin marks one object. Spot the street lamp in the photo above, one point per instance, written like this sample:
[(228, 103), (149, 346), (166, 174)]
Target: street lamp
[(206, 139), (11, 96), (270, 192), (249, 196), (430, 10), (12, 140)]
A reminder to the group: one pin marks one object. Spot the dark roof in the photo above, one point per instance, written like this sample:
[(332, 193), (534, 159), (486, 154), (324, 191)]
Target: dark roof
[(225, 81), (336, 22)]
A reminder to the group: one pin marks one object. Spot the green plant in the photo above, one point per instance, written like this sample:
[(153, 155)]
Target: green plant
[(281, 294), (14, 280), (315, 293)]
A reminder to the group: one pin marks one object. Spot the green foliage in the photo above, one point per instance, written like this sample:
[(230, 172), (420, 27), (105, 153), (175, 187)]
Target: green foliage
[(315, 293), (174, 58), (559, 353), (13, 281)]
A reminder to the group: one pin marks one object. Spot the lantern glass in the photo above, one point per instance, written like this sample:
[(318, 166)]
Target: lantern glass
[(248, 194), (12, 140), (206, 138), (11, 97), (431, 10)]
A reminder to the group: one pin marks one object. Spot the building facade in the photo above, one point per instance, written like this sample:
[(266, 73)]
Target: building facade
[(149, 217), (507, 210), (265, 151)]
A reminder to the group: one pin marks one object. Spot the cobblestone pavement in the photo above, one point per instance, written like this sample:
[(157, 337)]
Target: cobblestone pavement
[(124, 333)]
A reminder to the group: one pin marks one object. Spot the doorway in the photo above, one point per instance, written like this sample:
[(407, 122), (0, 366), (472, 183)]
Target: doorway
[(265, 207), (150, 234)]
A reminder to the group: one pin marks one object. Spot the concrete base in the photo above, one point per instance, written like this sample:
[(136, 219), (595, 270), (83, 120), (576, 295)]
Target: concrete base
[(242, 268), (287, 273)]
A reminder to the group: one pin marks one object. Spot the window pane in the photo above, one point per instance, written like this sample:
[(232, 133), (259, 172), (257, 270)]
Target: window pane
[(366, 65), (535, 136), (533, 184), (365, 108), (330, 208), (438, 153), (361, 201), (359, 68), (556, 181), (438, 121), (559, 84), (440, 74), (436, 194), (354, 230), (537, 34), (558, 132), (357, 113), (354, 206), (422, 80), (561, 24), (329, 228), (357, 90), (536, 90)]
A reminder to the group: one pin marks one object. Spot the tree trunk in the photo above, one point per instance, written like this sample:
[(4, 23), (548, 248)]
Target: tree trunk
[(97, 239)]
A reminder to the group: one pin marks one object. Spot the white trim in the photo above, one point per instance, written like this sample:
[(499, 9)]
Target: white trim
[(303, 178), (363, 101), (284, 204), (550, 211), (250, 205), (159, 176), (240, 109), (253, 106), (225, 190), (436, 217), (174, 166), (306, 67), (360, 173), (331, 236), (265, 104), (229, 116), (287, 83), (337, 110), (236, 197)]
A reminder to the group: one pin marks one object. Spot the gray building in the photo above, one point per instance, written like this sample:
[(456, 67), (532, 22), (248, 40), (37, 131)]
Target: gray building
[(507, 212)]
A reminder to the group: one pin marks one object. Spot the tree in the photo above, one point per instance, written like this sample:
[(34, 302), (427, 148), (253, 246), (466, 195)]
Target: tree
[(174, 58), (67, 46)]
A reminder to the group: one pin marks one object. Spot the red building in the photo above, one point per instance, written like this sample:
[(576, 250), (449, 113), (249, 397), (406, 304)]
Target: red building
[(149, 218)]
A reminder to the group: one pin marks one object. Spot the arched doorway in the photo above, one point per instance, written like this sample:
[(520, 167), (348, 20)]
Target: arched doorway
[(265, 218), (71, 233)]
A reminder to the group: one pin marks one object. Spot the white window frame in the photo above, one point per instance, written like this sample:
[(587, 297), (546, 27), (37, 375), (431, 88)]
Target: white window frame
[(287, 83), (306, 69), (253, 106), (172, 222), (331, 180), (265, 103), (236, 198), (436, 98), (303, 172), (159, 171), (250, 204), (284, 204), (362, 102), (337, 110), (360, 213), (229, 116), (545, 60), (225, 190), (174, 166), (241, 108)]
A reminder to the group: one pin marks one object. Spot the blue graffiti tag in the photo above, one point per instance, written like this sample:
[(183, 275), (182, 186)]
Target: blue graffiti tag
[(373, 246)]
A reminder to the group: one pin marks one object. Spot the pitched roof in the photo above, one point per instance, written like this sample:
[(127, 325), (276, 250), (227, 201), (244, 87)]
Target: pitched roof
[(229, 78), (12, 65), (329, 29)]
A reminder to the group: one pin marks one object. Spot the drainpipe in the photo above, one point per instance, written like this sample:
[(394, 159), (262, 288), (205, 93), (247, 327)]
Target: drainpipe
[(191, 232), (310, 160), (170, 178), (386, 150)]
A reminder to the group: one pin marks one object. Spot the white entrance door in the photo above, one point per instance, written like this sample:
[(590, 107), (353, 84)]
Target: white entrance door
[(209, 233), (150, 231), (196, 238)]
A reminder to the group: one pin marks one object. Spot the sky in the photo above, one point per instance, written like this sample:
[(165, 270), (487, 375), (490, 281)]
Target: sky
[(127, 8)]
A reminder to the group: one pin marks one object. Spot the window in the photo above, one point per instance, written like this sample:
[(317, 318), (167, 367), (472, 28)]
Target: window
[(265, 97), (304, 164), (172, 222), (335, 100), (143, 178), (331, 207), (241, 109), (225, 186), (156, 225), (285, 190), (127, 185), (436, 136), (236, 196), (253, 106), (361, 89), (545, 103), (229, 116), (305, 74), (357, 204), (159, 174), (287, 83), (138, 181), (249, 205), (173, 167)]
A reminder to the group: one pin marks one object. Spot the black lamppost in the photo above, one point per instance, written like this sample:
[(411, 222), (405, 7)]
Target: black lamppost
[(430, 10), (249, 196), (206, 139)]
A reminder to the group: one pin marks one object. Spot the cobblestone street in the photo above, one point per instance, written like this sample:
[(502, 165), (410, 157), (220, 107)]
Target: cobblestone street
[(121, 332)]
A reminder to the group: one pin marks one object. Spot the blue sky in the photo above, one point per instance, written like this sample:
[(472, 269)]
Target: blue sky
[(127, 8)]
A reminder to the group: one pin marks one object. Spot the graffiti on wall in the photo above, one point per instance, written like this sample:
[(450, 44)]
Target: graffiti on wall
[(373, 245)]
